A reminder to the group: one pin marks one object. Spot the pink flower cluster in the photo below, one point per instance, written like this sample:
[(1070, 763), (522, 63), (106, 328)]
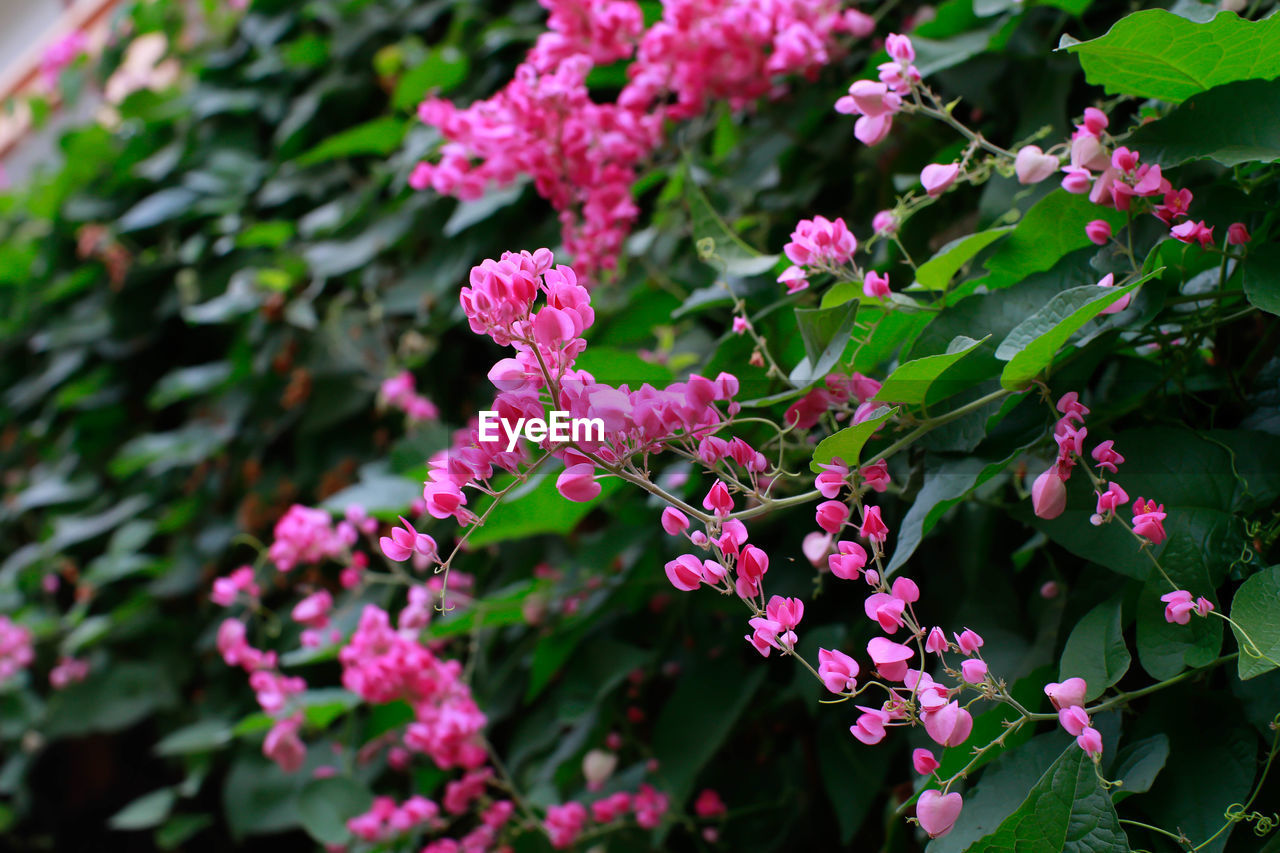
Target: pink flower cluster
[(61, 54), (400, 392), (565, 823), (876, 103), (1068, 700), (304, 535), (584, 155), (386, 821), (499, 301), (16, 650), (68, 671), (851, 395), (273, 691), (816, 244), (381, 664), (240, 581)]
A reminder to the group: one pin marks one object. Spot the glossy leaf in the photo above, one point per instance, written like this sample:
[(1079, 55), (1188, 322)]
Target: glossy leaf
[(847, 443), (1096, 650), (1255, 610)]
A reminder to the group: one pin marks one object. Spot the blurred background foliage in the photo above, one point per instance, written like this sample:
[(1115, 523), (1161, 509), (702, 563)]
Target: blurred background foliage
[(197, 307)]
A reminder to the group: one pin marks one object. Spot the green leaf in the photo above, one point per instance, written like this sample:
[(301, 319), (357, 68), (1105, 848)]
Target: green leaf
[(1255, 610), (165, 206), (492, 611), (1067, 811), (909, 383), (325, 806), (1157, 54), (203, 736), (188, 382), (258, 797), (1232, 124), (443, 69), (620, 367), (473, 211), (180, 828), (937, 272), (381, 137), (1262, 278), (145, 812), (1051, 229), (1138, 764), (322, 705), (717, 243), (826, 333), (534, 508), (382, 494), (847, 443), (119, 696), (1003, 785), (697, 718), (1095, 651), (1034, 343), (946, 483)]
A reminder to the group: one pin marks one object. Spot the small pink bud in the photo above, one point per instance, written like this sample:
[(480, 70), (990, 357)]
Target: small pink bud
[(674, 521), (900, 48), (936, 642), (875, 285), (969, 641), (1099, 231), (831, 516), (1074, 719), (974, 670), (1090, 740), (923, 761), (1049, 494), (1237, 234), (936, 177)]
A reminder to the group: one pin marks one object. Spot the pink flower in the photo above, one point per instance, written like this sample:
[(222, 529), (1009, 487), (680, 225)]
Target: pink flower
[(889, 657), (949, 725), (886, 610), (938, 812), (313, 611), (820, 241), (885, 223), (899, 47), (875, 285), (1098, 231), (923, 761), (1237, 234), (1148, 520), (1095, 120), (1071, 407), (1107, 458), (1178, 606), (1109, 500), (1049, 494), (1078, 180), (674, 521), (968, 641), (1033, 165), (565, 823), (936, 641), (752, 565), (873, 528), (68, 671), (1109, 280), (838, 671), (740, 325), (936, 177), (283, 746), (831, 516), (787, 612), (578, 483), (1090, 740), (869, 727), (709, 805), (1074, 719), (832, 479), (611, 808), (1193, 232), (718, 500), (685, 572), (848, 563), (794, 278), (1203, 606), (1068, 693), (876, 475), (405, 541), (973, 670)]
